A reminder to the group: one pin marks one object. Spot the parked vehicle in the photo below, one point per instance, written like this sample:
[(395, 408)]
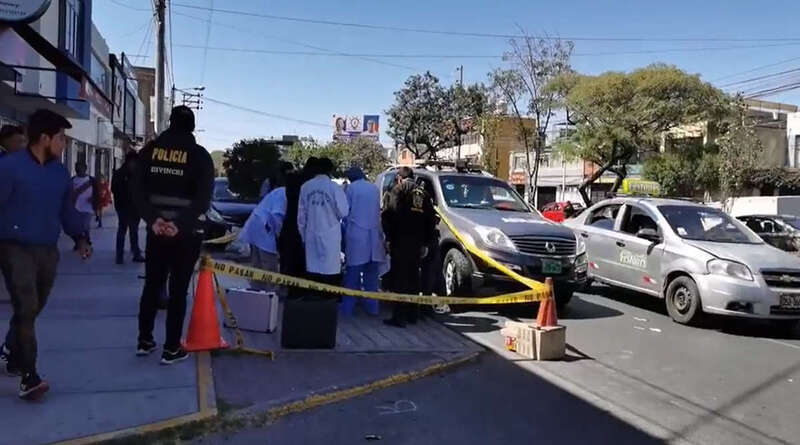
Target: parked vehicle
[(764, 205), (234, 209), (491, 215), (781, 231), (560, 211), (699, 259)]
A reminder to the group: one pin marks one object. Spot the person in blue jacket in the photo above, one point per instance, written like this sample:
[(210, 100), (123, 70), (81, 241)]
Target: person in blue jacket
[(35, 203)]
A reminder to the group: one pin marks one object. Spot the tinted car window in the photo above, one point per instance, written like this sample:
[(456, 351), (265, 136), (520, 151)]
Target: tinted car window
[(480, 192), (388, 182), (706, 224), (604, 217), (637, 220), (427, 184), (222, 193)]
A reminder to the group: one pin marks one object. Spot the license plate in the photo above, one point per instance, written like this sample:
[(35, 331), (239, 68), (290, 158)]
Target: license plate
[(790, 301), (551, 267)]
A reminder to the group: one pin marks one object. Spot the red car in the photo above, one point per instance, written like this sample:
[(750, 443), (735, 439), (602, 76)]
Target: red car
[(559, 211)]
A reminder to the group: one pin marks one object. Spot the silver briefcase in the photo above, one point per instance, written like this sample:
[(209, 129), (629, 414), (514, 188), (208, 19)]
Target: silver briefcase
[(255, 310)]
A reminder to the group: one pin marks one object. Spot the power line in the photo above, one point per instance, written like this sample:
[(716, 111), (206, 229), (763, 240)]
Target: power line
[(479, 34), (758, 68), (208, 37), (119, 3), (294, 42), (766, 76), (461, 56), (775, 90), (260, 112), (145, 45)]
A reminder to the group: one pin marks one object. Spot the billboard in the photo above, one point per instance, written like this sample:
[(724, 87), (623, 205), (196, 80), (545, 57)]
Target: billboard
[(353, 126)]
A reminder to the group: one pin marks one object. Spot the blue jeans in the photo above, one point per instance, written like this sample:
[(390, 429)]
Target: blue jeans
[(361, 277)]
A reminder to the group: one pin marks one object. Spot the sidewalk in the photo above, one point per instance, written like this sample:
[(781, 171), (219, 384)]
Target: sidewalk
[(87, 340)]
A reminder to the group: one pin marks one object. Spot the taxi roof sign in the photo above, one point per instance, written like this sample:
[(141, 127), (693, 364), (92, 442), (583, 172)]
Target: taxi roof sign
[(640, 187)]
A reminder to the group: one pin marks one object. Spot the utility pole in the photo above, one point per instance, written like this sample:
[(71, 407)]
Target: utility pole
[(461, 75), (160, 50)]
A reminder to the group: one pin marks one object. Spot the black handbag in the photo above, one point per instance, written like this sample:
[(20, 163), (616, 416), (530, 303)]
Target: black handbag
[(309, 322)]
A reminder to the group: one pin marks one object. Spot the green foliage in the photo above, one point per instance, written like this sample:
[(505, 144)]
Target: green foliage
[(740, 149), (686, 169), (490, 125), (248, 163), (427, 117), (619, 115), (360, 152)]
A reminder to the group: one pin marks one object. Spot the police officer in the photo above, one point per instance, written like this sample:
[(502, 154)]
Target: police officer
[(409, 223), (172, 187)]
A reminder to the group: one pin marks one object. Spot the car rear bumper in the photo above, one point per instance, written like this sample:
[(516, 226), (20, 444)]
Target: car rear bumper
[(751, 299)]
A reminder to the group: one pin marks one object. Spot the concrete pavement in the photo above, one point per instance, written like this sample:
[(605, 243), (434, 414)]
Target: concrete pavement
[(87, 340)]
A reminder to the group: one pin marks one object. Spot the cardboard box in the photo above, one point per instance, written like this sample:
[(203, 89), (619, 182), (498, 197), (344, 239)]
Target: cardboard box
[(526, 342), (551, 342)]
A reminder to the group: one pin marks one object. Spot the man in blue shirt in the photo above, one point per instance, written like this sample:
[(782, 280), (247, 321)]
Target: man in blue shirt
[(35, 202)]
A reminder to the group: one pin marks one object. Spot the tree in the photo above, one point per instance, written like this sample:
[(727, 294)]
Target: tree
[(365, 153), (618, 116), (248, 163), (740, 149), (689, 167), (428, 117), (418, 117), (522, 89)]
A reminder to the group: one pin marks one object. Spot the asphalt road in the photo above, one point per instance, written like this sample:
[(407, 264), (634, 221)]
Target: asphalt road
[(631, 376)]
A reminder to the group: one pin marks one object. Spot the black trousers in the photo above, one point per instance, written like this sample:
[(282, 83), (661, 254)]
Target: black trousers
[(167, 260), (29, 273), (333, 280), (128, 224), (406, 278)]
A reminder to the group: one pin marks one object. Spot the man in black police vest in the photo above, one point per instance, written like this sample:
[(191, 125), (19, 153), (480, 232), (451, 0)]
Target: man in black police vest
[(172, 186), (409, 223)]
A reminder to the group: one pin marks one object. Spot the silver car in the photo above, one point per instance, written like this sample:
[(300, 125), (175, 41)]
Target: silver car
[(699, 259)]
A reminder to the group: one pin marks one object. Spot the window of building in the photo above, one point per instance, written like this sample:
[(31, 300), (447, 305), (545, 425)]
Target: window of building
[(130, 113), (100, 74), (518, 162), (72, 28)]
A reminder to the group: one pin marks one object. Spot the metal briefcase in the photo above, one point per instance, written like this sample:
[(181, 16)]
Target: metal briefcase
[(255, 310)]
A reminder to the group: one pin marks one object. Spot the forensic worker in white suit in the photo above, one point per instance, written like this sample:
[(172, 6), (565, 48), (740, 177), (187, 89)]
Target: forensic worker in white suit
[(365, 254), (323, 206)]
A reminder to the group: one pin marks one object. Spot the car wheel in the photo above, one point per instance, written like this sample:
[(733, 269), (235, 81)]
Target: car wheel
[(457, 273), (683, 301), (563, 297)]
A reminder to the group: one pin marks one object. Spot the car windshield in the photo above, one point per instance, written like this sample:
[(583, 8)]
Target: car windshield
[(478, 192), (222, 193), (792, 221), (706, 224)]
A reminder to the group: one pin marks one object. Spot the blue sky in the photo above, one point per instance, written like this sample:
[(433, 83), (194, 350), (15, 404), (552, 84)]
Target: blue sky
[(312, 88)]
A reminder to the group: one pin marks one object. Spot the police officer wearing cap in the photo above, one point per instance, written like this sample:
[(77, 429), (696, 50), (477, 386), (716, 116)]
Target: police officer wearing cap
[(409, 223), (172, 186)]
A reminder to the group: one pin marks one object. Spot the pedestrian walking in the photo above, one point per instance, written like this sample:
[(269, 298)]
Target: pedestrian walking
[(409, 222), (172, 187), (261, 231), (322, 207), (12, 138), (365, 254), (35, 203), (85, 196), (127, 215)]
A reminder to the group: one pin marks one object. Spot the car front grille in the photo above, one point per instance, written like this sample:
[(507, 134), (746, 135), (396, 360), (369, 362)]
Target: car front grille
[(782, 279), (778, 310), (537, 245)]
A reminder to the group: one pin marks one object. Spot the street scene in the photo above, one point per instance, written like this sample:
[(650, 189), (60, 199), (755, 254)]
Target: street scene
[(399, 223)]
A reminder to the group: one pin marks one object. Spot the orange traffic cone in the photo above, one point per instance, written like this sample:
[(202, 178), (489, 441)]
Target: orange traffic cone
[(204, 334), (547, 309)]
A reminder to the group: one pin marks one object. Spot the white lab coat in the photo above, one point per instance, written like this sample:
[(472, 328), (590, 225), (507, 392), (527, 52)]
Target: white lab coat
[(323, 206), (363, 241), (264, 224)]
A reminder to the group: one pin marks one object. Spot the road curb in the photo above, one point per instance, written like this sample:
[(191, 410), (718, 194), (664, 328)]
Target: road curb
[(206, 404)]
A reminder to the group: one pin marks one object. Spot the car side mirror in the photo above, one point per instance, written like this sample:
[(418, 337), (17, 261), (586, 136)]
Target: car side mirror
[(649, 235)]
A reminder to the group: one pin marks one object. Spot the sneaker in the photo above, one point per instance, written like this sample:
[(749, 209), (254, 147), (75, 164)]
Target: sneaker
[(32, 387), (170, 357), (145, 348)]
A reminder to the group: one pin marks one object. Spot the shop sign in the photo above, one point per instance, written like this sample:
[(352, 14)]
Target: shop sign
[(22, 11)]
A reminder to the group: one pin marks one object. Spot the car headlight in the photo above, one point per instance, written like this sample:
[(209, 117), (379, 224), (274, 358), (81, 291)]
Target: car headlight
[(214, 216), (580, 263), (730, 269), (495, 238), (580, 245)]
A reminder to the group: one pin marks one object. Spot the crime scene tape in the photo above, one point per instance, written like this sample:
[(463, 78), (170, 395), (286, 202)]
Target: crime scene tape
[(234, 324)]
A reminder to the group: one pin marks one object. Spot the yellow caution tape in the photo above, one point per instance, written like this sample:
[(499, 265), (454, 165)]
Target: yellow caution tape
[(253, 274)]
